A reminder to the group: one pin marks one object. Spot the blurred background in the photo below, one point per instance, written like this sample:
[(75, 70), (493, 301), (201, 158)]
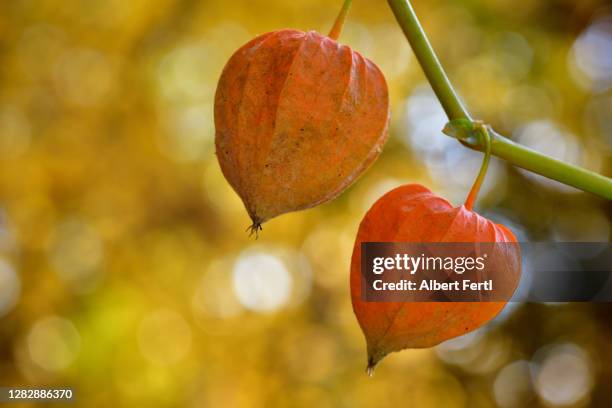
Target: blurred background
[(125, 271)]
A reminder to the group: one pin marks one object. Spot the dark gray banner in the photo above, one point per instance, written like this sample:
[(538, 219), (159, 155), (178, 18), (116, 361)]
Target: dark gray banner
[(486, 272)]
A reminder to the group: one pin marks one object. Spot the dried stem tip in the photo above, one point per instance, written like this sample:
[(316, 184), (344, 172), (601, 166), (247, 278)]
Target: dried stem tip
[(254, 229)]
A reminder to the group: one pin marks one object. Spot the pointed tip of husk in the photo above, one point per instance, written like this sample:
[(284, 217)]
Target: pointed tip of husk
[(371, 366)]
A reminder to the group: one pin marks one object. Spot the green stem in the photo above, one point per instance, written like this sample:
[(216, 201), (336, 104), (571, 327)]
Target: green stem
[(484, 135), (337, 28), (550, 167), (501, 147), (408, 20)]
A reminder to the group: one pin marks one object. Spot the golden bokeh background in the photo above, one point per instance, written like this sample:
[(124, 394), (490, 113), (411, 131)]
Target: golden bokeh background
[(125, 271)]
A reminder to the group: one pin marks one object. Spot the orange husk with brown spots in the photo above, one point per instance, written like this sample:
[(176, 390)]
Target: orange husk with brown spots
[(299, 117)]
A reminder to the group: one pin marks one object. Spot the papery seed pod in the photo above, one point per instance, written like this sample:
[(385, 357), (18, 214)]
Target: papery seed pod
[(298, 118), (412, 213)]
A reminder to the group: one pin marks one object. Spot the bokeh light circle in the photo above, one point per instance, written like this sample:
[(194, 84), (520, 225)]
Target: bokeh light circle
[(261, 281), (562, 374), (512, 386), (54, 343)]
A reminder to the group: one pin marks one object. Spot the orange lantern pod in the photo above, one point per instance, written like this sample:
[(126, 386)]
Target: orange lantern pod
[(413, 214), (299, 117)]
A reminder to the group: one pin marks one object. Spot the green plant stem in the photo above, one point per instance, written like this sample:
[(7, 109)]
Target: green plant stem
[(473, 195), (501, 146), (550, 167), (339, 23)]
